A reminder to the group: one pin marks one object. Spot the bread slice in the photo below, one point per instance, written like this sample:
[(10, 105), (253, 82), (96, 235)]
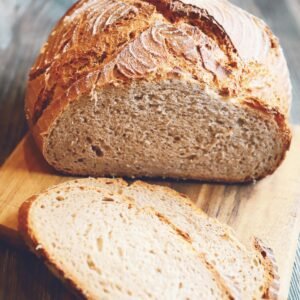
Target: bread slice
[(161, 88), (247, 274), (108, 248)]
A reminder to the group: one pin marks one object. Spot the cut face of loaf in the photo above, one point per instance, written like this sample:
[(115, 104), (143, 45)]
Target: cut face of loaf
[(170, 128), (107, 248), (246, 273), (161, 88)]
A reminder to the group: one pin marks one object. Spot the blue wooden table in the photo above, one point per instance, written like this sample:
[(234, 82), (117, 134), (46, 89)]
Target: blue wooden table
[(24, 26)]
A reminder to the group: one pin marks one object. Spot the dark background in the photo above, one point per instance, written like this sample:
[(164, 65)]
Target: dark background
[(24, 26)]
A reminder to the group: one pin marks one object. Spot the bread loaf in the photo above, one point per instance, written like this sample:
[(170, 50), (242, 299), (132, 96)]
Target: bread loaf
[(196, 89), (112, 240)]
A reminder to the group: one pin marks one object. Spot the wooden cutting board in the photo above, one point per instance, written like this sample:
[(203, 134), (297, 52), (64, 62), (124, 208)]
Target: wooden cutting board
[(268, 209)]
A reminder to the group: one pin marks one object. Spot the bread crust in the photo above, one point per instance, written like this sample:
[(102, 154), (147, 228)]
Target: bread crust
[(70, 66), (266, 253)]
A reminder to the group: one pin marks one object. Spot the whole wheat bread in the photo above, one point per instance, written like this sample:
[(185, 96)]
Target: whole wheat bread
[(94, 232), (161, 88)]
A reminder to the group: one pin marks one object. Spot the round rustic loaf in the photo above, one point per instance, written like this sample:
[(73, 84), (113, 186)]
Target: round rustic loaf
[(164, 88)]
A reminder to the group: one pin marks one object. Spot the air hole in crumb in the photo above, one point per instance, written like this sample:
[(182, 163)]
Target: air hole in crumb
[(99, 243), (107, 199), (118, 287), (241, 122), (97, 150), (192, 157), (199, 139), (180, 285), (92, 265), (42, 206), (176, 138), (120, 252), (138, 97), (60, 198), (158, 270)]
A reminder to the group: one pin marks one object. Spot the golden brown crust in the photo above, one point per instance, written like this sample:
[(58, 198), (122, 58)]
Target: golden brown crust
[(284, 129), (100, 43), (177, 11)]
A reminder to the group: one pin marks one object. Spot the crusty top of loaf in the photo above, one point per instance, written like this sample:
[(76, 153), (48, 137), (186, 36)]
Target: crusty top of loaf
[(230, 53)]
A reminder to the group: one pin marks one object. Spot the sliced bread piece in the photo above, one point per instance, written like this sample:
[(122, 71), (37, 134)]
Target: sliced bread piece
[(246, 271), (108, 248)]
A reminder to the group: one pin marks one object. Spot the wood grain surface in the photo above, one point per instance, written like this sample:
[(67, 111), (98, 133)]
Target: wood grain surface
[(24, 26)]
